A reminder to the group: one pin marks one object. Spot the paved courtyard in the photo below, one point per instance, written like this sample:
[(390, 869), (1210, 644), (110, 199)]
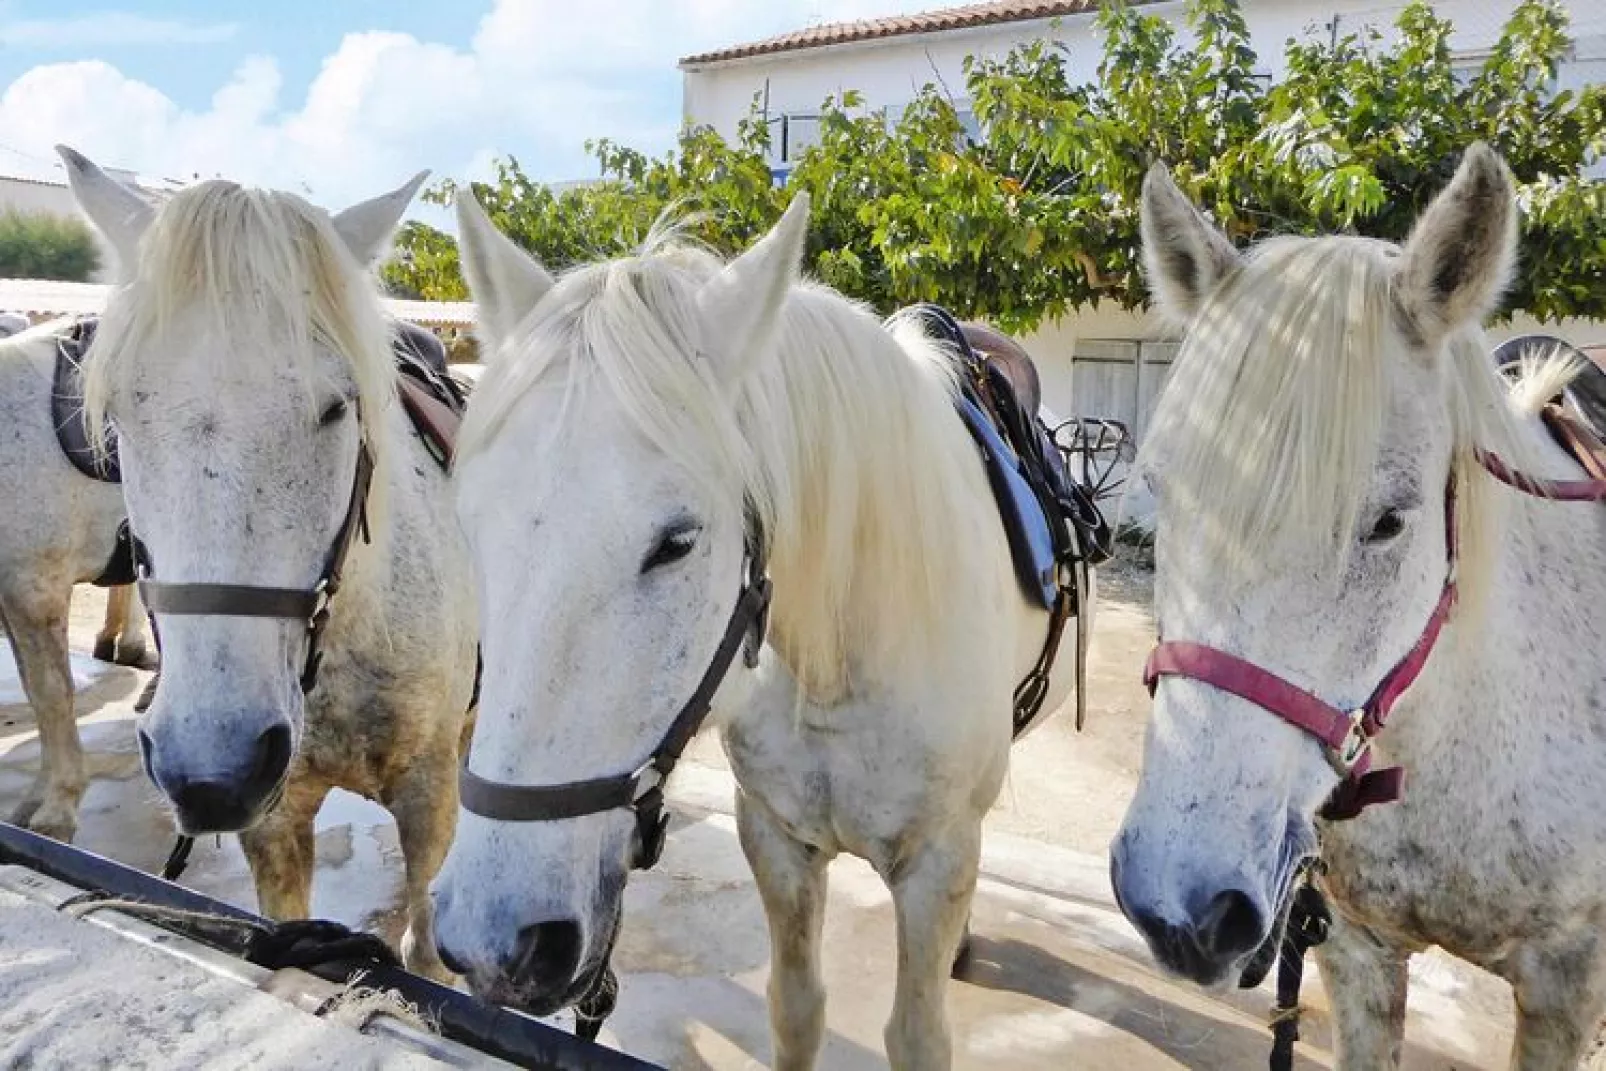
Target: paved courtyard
[(1058, 980)]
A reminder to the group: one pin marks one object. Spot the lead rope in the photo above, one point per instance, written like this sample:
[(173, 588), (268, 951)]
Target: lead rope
[(1308, 922)]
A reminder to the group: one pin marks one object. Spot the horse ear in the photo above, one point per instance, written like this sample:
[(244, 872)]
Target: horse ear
[(741, 306), (506, 282), (1184, 256), (1461, 253), (116, 210), (366, 228)]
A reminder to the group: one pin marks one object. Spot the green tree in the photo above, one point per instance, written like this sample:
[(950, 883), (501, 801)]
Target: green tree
[(1038, 215), (46, 247)]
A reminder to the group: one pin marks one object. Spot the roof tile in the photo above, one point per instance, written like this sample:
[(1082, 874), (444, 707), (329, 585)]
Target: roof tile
[(966, 17)]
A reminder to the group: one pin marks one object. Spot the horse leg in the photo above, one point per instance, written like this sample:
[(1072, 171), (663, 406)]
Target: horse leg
[(133, 646), (1561, 993), (424, 803), (791, 882), (1365, 979), (38, 628), (116, 613), (282, 850), (931, 892)]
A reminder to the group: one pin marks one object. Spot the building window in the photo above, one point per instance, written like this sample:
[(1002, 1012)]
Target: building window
[(967, 120), (790, 136)]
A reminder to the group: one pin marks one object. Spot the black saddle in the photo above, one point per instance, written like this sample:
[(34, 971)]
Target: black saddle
[(433, 398), (67, 407), (1585, 395), (1000, 384), (415, 344)]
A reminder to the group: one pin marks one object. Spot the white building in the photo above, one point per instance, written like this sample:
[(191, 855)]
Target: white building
[(1104, 361), (39, 188)]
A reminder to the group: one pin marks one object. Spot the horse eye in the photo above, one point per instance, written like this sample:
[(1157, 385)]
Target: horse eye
[(334, 413), (1389, 525), (674, 545)]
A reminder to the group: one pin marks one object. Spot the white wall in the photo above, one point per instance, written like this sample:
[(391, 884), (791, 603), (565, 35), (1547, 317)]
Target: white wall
[(50, 199), (1108, 332)]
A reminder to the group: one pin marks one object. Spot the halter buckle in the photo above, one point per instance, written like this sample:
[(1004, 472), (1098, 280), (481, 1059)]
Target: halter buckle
[(647, 779), (1354, 746)]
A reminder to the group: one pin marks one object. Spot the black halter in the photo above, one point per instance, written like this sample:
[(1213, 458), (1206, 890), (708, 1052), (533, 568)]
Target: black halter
[(245, 600), (642, 790)]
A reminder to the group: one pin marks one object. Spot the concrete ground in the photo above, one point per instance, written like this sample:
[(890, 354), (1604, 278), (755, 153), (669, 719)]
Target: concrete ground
[(1058, 979)]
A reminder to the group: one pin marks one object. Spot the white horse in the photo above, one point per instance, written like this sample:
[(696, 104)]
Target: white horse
[(58, 529), (1332, 403), (647, 430), (247, 366)]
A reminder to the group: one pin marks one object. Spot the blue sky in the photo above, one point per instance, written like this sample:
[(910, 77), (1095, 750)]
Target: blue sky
[(339, 99)]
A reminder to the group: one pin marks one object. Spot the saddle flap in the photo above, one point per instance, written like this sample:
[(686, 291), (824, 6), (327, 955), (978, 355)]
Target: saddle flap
[(67, 408), (437, 423)]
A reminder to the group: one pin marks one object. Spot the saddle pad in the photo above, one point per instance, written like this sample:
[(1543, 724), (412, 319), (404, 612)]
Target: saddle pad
[(1031, 542), (67, 408)]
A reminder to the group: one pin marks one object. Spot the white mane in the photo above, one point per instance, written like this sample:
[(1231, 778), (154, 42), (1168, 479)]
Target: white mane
[(844, 442), (1271, 424), (264, 265)]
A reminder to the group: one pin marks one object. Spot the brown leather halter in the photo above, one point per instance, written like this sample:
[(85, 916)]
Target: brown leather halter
[(642, 790), (1347, 735), (245, 600)]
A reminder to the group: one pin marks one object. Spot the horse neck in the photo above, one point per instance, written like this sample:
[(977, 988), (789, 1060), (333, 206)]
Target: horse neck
[(1526, 661)]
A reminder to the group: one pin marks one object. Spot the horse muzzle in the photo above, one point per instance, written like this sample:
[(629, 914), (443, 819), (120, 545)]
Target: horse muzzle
[(231, 790)]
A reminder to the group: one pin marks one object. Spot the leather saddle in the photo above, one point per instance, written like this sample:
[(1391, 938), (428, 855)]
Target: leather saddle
[(433, 398), (1585, 395), (67, 407), (1049, 518), (1011, 360), (1576, 418)]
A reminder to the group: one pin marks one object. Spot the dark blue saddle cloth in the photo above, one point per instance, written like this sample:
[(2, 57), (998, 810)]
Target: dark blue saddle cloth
[(1031, 541), (1051, 521)]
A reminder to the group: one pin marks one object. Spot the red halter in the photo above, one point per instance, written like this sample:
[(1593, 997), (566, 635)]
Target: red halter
[(1347, 735)]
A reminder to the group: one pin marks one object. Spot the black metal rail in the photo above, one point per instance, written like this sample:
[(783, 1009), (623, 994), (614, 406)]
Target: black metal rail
[(495, 1031)]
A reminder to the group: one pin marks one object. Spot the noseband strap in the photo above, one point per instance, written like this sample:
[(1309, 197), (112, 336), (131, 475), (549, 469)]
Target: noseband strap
[(247, 600), (640, 791), (1346, 735)]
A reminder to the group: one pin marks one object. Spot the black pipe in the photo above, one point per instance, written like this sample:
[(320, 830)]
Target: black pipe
[(494, 1031)]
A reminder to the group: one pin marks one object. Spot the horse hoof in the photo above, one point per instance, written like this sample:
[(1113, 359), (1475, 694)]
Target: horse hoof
[(135, 655), (143, 703), (46, 821), (105, 650)]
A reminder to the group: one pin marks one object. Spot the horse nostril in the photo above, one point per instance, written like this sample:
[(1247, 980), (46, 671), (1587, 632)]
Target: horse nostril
[(1232, 925), (210, 806), (146, 749), (273, 759), (546, 955), (451, 962)]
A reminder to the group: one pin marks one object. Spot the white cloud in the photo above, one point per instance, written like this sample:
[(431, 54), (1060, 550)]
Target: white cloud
[(112, 28), (538, 78)]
